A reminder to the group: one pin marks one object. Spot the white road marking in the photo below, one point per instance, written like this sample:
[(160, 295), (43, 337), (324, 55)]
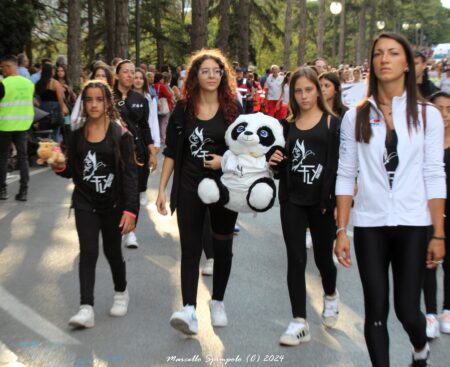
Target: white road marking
[(14, 177), (32, 320)]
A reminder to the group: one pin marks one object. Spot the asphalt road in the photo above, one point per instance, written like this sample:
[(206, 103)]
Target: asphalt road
[(39, 292)]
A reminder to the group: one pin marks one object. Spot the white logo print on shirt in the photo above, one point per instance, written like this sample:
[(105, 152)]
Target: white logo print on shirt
[(386, 159), (197, 142), (90, 167), (310, 172)]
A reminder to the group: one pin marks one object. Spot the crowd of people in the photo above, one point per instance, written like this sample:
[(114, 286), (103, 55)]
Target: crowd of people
[(356, 137)]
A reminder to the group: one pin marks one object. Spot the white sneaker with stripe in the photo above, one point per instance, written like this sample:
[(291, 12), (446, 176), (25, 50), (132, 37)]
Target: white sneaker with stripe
[(297, 332)]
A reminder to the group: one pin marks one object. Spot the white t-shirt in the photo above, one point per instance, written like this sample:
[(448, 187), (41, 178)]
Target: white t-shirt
[(274, 87), (445, 85), (286, 94)]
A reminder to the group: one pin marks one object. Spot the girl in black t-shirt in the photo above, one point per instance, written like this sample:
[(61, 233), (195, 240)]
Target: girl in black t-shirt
[(306, 193), (195, 145), (100, 162), (134, 111)]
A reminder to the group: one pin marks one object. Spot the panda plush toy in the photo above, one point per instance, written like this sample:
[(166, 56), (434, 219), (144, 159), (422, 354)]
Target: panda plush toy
[(246, 184)]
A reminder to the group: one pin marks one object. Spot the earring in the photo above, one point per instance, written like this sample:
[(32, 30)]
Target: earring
[(406, 70)]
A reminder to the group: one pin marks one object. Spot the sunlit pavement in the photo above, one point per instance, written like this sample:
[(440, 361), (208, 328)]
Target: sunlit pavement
[(39, 292)]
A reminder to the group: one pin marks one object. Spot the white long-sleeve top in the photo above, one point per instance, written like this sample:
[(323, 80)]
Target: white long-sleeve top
[(419, 176), (153, 119)]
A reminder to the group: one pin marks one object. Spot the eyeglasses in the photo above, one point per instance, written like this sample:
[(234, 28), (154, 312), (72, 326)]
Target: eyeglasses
[(216, 73)]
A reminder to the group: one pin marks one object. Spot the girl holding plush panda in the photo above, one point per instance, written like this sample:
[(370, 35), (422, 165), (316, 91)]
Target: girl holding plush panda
[(307, 174), (195, 144), (101, 163)]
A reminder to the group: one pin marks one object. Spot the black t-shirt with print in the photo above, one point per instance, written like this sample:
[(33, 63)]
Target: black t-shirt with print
[(307, 153), (96, 169), (202, 137)]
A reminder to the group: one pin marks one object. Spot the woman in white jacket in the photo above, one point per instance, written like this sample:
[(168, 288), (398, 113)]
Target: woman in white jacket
[(140, 85), (394, 145)]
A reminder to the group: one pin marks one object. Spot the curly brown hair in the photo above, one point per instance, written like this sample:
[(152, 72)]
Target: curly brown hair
[(226, 90), (111, 110)]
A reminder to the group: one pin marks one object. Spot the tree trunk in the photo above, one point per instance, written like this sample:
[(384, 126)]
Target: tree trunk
[(183, 11), (244, 32), (159, 41), (90, 38), (287, 36), (224, 25), (320, 28), (73, 41), (361, 46), (342, 29), (122, 28), (138, 33), (302, 34), (373, 14), (110, 23), (199, 31)]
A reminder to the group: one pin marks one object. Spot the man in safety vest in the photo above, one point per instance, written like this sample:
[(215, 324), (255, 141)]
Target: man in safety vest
[(16, 117)]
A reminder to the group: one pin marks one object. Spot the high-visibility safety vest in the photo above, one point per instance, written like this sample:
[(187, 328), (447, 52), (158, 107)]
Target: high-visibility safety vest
[(16, 106)]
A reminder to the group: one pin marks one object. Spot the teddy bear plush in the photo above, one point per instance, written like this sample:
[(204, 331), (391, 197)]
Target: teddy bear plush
[(246, 184), (49, 152)]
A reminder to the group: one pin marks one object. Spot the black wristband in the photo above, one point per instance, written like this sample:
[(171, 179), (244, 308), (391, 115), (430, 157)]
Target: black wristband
[(438, 238)]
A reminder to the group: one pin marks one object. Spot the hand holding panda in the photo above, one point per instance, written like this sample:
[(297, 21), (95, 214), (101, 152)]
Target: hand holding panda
[(246, 184)]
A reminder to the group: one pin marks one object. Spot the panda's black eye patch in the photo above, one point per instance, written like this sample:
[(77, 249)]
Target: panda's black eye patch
[(238, 130), (266, 136)]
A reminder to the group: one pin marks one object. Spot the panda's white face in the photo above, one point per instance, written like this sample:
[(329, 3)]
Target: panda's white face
[(254, 134)]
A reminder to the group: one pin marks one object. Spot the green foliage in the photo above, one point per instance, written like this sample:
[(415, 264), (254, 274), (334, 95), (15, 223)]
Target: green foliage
[(17, 20), (49, 20)]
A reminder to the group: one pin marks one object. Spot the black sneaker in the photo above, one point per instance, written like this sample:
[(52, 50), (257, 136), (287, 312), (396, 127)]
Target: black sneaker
[(3, 193), (22, 195)]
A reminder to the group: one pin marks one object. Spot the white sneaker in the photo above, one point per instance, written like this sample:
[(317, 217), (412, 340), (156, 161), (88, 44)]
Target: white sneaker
[(84, 318), (143, 199), (208, 269), (444, 321), (185, 320), (432, 326), (330, 312), (120, 304), (308, 240), (131, 240), (218, 315), (296, 333)]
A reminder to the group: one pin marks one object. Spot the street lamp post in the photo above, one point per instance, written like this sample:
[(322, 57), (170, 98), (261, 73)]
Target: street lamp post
[(418, 27), (335, 8)]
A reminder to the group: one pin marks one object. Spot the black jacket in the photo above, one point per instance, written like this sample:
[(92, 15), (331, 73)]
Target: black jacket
[(126, 195), (328, 198), (427, 88), (134, 111)]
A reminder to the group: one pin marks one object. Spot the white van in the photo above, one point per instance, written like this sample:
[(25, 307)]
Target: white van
[(441, 51)]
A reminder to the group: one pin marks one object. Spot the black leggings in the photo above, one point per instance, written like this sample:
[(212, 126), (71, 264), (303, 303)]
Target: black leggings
[(429, 284), (294, 221), (89, 225), (403, 247), (190, 214)]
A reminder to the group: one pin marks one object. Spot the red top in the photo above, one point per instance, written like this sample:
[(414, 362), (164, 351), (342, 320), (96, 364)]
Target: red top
[(163, 92)]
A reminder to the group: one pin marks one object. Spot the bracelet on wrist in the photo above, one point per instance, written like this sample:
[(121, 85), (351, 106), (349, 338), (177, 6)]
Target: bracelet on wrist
[(438, 238), (341, 229)]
